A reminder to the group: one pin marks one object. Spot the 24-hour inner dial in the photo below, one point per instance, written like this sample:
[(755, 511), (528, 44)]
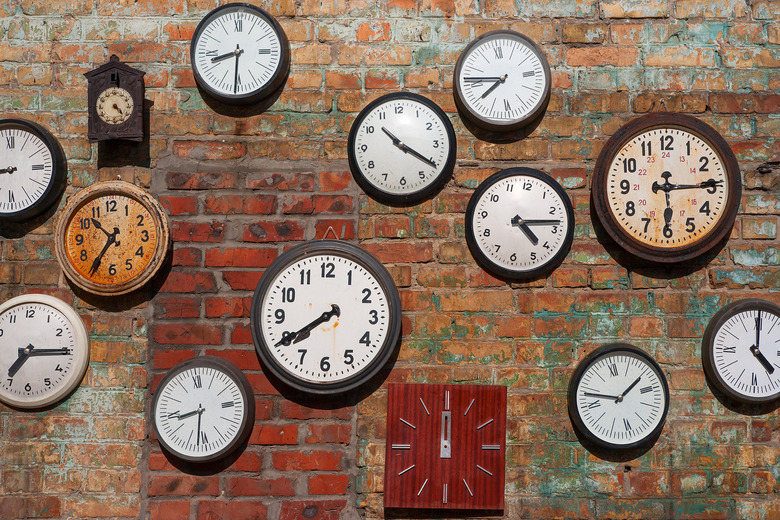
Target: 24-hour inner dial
[(324, 318), (26, 169), (667, 187)]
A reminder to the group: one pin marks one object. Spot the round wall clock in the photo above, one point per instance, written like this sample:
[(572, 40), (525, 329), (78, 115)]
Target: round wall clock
[(325, 317), (112, 238), (203, 409), (401, 148), (502, 81), (33, 173), (44, 350), (741, 351), (519, 224), (114, 105), (618, 397), (666, 187), (240, 54)]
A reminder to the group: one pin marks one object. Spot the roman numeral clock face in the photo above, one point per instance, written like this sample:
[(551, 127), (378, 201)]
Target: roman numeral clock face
[(741, 351), (618, 397), (239, 54)]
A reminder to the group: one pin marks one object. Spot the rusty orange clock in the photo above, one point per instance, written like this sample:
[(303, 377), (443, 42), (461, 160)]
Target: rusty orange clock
[(112, 238)]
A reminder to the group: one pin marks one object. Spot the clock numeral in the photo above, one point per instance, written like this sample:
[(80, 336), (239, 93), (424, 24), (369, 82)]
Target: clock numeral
[(647, 223), (112, 269), (279, 315), (27, 387), (140, 220), (546, 245), (374, 317), (527, 186), (630, 208), (9, 142), (211, 53), (533, 256), (690, 225), (228, 404), (753, 380), (382, 116), (507, 106), (288, 295), (11, 197), (139, 251), (402, 181), (83, 255), (196, 381), (513, 257), (263, 51), (348, 357), (629, 165), (666, 142), (37, 167), (128, 265), (302, 352), (371, 165), (12, 318), (366, 339), (529, 73), (366, 295), (325, 364), (594, 404), (58, 369), (703, 164), (429, 126), (421, 174), (305, 278), (47, 381), (626, 424), (647, 148), (486, 233), (483, 214), (29, 313), (552, 210), (10, 381), (111, 206), (625, 187), (705, 208), (203, 438), (668, 231), (399, 109), (613, 369), (95, 212), (645, 389), (239, 25), (494, 198), (688, 148), (349, 278), (79, 239), (499, 52), (730, 350), (85, 223)]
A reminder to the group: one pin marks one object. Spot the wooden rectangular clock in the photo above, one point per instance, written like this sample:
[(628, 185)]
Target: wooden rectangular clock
[(446, 446)]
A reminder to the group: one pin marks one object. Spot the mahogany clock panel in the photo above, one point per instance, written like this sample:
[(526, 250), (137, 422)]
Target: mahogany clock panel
[(445, 446)]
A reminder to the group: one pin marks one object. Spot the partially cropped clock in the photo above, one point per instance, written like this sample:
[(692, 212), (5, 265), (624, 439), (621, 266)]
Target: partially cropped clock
[(115, 98), (32, 170), (519, 224), (44, 350), (666, 187), (112, 238), (741, 351), (401, 148), (240, 54), (203, 409), (445, 446), (618, 397), (502, 82), (325, 317)]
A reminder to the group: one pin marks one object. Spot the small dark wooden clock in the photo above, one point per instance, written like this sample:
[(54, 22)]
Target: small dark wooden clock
[(445, 447), (116, 101)]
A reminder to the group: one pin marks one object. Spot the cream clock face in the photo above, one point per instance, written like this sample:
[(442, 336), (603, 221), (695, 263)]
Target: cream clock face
[(114, 105), (44, 350)]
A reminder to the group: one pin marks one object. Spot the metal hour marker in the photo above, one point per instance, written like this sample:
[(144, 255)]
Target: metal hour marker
[(401, 446), (444, 498), (408, 423), (467, 487), (407, 469), (485, 424), (423, 487), (447, 400), (469, 408), (483, 469), (491, 447), (424, 407)]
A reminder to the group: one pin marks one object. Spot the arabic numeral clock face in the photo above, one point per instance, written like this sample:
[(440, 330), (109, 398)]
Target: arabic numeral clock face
[(667, 187), (741, 351), (325, 317), (618, 397), (112, 238), (401, 148), (32, 170), (502, 81), (240, 54), (519, 224), (44, 350), (203, 409)]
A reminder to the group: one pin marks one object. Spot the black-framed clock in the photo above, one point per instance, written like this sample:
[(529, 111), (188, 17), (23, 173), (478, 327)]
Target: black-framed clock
[(519, 224), (33, 173), (666, 187), (240, 54), (401, 148), (44, 350), (740, 351), (618, 397), (203, 409), (502, 82), (325, 317)]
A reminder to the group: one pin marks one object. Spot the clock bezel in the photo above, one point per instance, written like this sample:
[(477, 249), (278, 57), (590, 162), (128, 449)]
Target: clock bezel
[(248, 418), (612, 225), (278, 78), (579, 371), (81, 342), (355, 254), (59, 174), (102, 189), (411, 197), (491, 125), (485, 261), (708, 344)]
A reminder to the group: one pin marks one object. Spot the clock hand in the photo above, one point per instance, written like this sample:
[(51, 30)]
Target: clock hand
[(200, 414), (667, 187), (407, 149), (627, 390), (602, 396), (189, 414), (226, 55), (24, 354), (64, 351), (758, 329), (495, 86), (473, 79), (110, 240), (295, 337), (520, 223), (543, 222), (116, 107), (96, 223), (235, 79), (10, 169), (762, 359)]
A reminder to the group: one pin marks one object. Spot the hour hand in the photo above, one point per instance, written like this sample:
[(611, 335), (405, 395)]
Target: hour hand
[(762, 359), (407, 149), (64, 351), (97, 224), (24, 355), (600, 396), (520, 223)]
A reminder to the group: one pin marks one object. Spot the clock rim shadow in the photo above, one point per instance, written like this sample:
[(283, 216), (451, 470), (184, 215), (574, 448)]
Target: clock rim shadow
[(115, 153), (615, 454), (511, 136), (205, 469), (405, 512), (244, 110), (741, 407)]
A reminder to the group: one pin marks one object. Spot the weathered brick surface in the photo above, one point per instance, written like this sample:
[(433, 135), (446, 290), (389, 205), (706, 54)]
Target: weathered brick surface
[(241, 190)]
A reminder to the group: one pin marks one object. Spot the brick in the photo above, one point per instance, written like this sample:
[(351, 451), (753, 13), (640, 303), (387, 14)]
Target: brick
[(264, 231), (172, 334), (328, 484), (183, 485), (321, 510), (252, 486), (200, 181), (596, 56), (235, 510), (240, 257)]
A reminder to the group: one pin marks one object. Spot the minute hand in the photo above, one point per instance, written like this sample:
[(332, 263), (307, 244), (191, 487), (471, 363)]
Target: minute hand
[(407, 149)]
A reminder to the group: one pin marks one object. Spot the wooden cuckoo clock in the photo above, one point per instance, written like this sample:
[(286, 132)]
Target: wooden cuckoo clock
[(445, 447), (116, 100)]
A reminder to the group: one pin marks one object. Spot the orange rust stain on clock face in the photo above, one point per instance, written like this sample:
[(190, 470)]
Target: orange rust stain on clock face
[(111, 239)]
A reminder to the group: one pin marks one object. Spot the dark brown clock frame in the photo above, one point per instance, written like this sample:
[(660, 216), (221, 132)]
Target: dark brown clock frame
[(600, 202), (446, 447), (115, 74)]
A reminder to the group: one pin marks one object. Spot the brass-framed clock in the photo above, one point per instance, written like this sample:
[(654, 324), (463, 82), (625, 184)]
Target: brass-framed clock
[(666, 187), (445, 446), (112, 238)]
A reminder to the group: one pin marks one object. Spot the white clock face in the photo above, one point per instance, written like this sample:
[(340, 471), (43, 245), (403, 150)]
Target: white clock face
[(402, 145), (236, 51), (44, 350), (520, 222), (502, 78), (667, 187), (114, 105), (200, 411), (26, 171), (621, 398), (324, 318), (745, 352)]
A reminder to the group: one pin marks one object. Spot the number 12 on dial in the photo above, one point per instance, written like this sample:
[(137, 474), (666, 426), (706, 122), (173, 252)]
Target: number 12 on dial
[(325, 317)]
